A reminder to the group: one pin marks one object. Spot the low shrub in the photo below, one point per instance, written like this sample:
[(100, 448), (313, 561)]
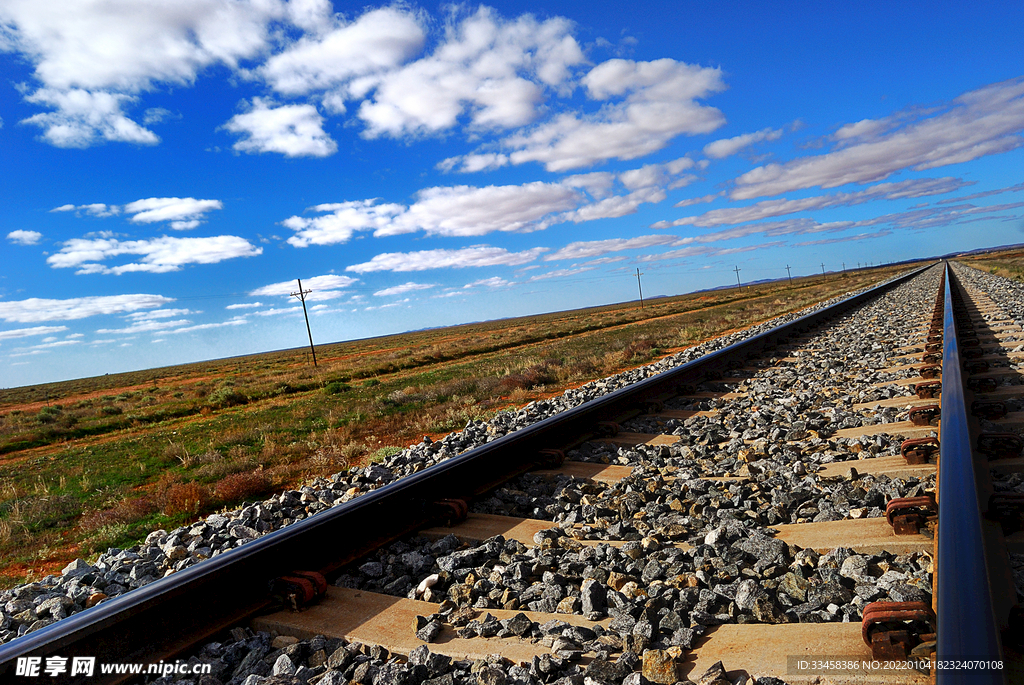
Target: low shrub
[(125, 512), (226, 396), (242, 486), (186, 498), (335, 387)]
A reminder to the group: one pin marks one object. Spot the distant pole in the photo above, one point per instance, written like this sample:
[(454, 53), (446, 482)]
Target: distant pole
[(638, 287), (302, 296), (823, 268), (738, 284), (844, 267), (790, 273)]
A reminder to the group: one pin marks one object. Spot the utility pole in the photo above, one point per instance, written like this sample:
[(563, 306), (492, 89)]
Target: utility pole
[(302, 296), (638, 286), (844, 267), (738, 284), (790, 274), (823, 268)]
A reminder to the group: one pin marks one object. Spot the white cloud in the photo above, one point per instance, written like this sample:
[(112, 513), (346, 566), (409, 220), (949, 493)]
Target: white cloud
[(596, 248), (84, 118), (445, 211), (471, 211), (292, 130), (987, 193), (21, 237), (859, 236), (28, 332), (343, 220), (159, 314), (476, 256), (726, 147), (462, 211), (379, 40), (144, 327), (660, 103), (561, 273), (910, 188), (404, 288), (97, 209), (493, 282), (159, 255), (154, 115), (978, 123), (92, 58), (237, 321), (36, 309), (492, 70), (249, 305), (320, 285), (183, 212)]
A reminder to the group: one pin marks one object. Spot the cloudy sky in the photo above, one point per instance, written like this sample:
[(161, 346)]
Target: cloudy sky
[(172, 166)]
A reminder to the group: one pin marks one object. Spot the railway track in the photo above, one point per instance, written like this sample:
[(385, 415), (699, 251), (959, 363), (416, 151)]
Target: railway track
[(755, 513)]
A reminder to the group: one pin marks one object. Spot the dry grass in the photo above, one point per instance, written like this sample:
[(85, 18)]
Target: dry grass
[(242, 486), (186, 498), (174, 437)]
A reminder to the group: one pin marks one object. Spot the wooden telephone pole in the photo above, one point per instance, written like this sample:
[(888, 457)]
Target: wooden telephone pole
[(302, 297)]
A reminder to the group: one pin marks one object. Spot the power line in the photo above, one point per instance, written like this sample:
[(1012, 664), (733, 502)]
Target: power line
[(302, 296)]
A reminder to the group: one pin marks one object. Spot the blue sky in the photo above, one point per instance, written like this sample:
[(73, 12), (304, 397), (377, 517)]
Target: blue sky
[(170, 168)]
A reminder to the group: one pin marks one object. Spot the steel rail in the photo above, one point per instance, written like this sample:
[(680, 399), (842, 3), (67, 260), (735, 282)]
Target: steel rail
[(967, 629), (163, 618)]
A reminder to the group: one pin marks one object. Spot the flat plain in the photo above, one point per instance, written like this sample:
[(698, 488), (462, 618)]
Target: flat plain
[(99, 462)]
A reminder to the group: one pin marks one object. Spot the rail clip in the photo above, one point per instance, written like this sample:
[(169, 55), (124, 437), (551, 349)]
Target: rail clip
[(919, 450), (930, 371), (906, 515), (893, 629), (982, 384), (1000, 445), (928, 390), (299, 588), (925, 416), (1008, 509), (549, 458), (988, 409), (450, 511)]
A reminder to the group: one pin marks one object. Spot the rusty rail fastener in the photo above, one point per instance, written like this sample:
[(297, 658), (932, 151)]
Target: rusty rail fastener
[(919, 450), (968, 343), (973, 366), (933, 347), (892, 629), (928, 390), (299, 588), (982, 384), (924, 416), (906, 515), (607, 429), (451, 511), (930, 371), (549, 458), (931, 357), (971, 352), (988, 409), (1008, 509), (653, 406), (1000, 445)]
